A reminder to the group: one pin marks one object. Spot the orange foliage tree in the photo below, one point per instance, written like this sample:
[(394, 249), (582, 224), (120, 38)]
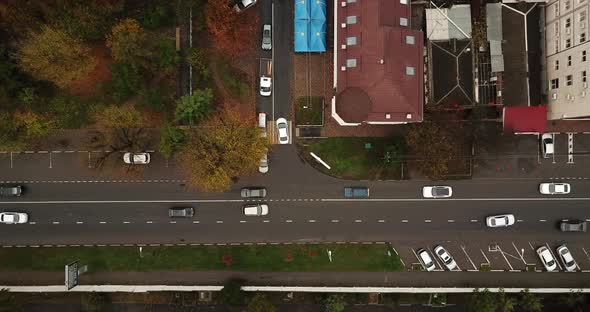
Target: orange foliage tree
[(232, 33)]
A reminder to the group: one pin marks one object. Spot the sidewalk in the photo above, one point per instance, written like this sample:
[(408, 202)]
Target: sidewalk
[(332, 279)]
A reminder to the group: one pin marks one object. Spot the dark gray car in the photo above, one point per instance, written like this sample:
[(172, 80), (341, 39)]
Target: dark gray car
[(573, 226), (356, 192), (181, 212), (253, 192), (11, 191)]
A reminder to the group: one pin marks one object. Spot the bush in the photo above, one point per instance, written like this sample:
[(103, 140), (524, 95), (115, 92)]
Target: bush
[(232, 293), (156, 98), (194, 108), (165, 58), (126, 81), (171, 140), (334, 303)]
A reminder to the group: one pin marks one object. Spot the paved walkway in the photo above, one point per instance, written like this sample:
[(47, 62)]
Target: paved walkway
[(358, 279)]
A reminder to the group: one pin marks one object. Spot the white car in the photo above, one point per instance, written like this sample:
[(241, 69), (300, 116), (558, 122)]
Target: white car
[(566, 257), (547, 258), (241, 5), (437, 191), (266, 37), (426, 260), (265, 86), (445, 257), (500, 220), (554, 188), (14, 217), (547, 145), (263, 166), (136, 158), (282, 126), (256, 210)]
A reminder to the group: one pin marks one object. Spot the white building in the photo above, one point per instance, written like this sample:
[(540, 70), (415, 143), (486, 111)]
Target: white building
[(568, 62)]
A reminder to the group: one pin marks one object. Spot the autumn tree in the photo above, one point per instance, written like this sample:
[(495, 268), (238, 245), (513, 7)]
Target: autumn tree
[(54, 55), (128, 43), (221, 150), (260, 303), (435, 146), (87, 19), (232, 33), (194, 108)]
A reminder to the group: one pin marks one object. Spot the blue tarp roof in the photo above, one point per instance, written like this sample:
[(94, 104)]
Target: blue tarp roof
[(310, 26)]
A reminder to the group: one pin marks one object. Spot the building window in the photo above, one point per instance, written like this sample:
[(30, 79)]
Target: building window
[(351, 63), (403, 21), (568, 22), (556, 64), (410, 40), (582, 37), (554, 83), (569, 60), (568, 80), (584, 56), (583, 76), (556, 45), (567, 5), (568, 43), (350, 40), (556, 9), (351, 19), (403, 1), (582, 16), (410, 71)]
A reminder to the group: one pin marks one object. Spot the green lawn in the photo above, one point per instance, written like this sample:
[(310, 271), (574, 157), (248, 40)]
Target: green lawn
[(350, 158), (309, 110), (234, 81), (270, 258)]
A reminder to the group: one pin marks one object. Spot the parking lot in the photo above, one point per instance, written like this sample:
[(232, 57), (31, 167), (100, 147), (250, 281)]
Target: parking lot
[(512, 256)]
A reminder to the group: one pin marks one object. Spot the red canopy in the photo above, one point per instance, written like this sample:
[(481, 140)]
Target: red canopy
[(525, 118)]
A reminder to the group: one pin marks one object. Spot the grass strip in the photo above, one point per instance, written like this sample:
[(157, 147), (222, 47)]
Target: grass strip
[(309, 110), (268, 258)]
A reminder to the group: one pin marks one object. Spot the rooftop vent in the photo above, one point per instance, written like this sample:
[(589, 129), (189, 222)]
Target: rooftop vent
[(387, 116), (408, 116)]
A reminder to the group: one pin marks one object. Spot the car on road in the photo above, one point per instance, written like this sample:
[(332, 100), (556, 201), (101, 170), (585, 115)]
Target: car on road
[(266, 37), (253, 192), (554, 188), (437, 191), (356, 192), (265, 86), (14, 217), (263, 165), (426, 260), (547, 146), (445, 257), (136, 158), (282, 126), (566, 257), (241, 5), (11, 191), (262, 124), (255, 210), (181, 212), (573, 226), (500, 220), (547, 258)]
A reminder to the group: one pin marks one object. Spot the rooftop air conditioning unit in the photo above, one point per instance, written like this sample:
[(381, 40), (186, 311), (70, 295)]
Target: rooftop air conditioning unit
[(343, 25), (387, 116), (343, 47), (343, 68), (343, 4), (408, 116), (554, 96)]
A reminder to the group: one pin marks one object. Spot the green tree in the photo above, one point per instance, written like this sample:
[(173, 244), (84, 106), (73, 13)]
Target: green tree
[(194, 108), (54, 55), (171, 140), (222, 150), (530, 302), (156, 14), (334, 303), (94, 302), (574, 300), (126, 81), (8, 302), (482, 301), (260, 304), (435, 146), (128, 43), (87, 19), (165, 58), (506, 303), (232, 293)]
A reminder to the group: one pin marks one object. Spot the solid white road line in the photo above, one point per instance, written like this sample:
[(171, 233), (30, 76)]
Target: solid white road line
[(457, 199), (125, 201)]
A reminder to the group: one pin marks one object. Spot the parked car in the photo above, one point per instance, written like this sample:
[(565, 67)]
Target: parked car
[(265, 86), (500, 220), (566, 257), (181, 212), (547, 145), (445, 257), (356, 192), (11, 191), (14, 217), (253, 192), (573, 226), (136, 158), (262, 124), (266, 37), (426, 260), (547, 258), (282, 126), (263, 166), (554, 188), (241, 5), (437, 192), (256, 210)]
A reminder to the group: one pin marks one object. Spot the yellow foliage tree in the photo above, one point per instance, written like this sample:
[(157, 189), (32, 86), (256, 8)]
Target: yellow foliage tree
[(128, 42), (222, 149), (55, 56)]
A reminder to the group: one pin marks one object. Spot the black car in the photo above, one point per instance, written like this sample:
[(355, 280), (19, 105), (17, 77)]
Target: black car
[(11, 191), (573, 226), (181, 212)]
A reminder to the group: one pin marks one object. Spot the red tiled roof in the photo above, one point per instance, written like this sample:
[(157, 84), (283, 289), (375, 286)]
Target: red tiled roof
[(382, 56)]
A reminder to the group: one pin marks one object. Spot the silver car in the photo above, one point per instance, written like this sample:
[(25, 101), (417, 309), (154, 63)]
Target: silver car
[(547, 258), (500, 220), (554, 188), (255, 210), (283, 128), (14, 217), (437, 191), (263, 165), (136, 158), (253, 192), (266, 37), (445, 257), (567, 258)]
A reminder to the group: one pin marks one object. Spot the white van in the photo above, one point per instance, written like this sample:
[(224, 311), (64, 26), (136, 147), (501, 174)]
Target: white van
[(262, 124)]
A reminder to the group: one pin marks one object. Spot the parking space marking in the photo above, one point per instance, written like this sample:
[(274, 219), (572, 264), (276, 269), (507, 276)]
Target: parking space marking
[(484, 255), (587, 256), (381, 221), (473, 220), (533, 248), (450, 221), (468, 258), (404, 221), (358, 221), (289, 221), (521, 254), (427, 221), (504, 256), (416, 255), (570, 148)]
